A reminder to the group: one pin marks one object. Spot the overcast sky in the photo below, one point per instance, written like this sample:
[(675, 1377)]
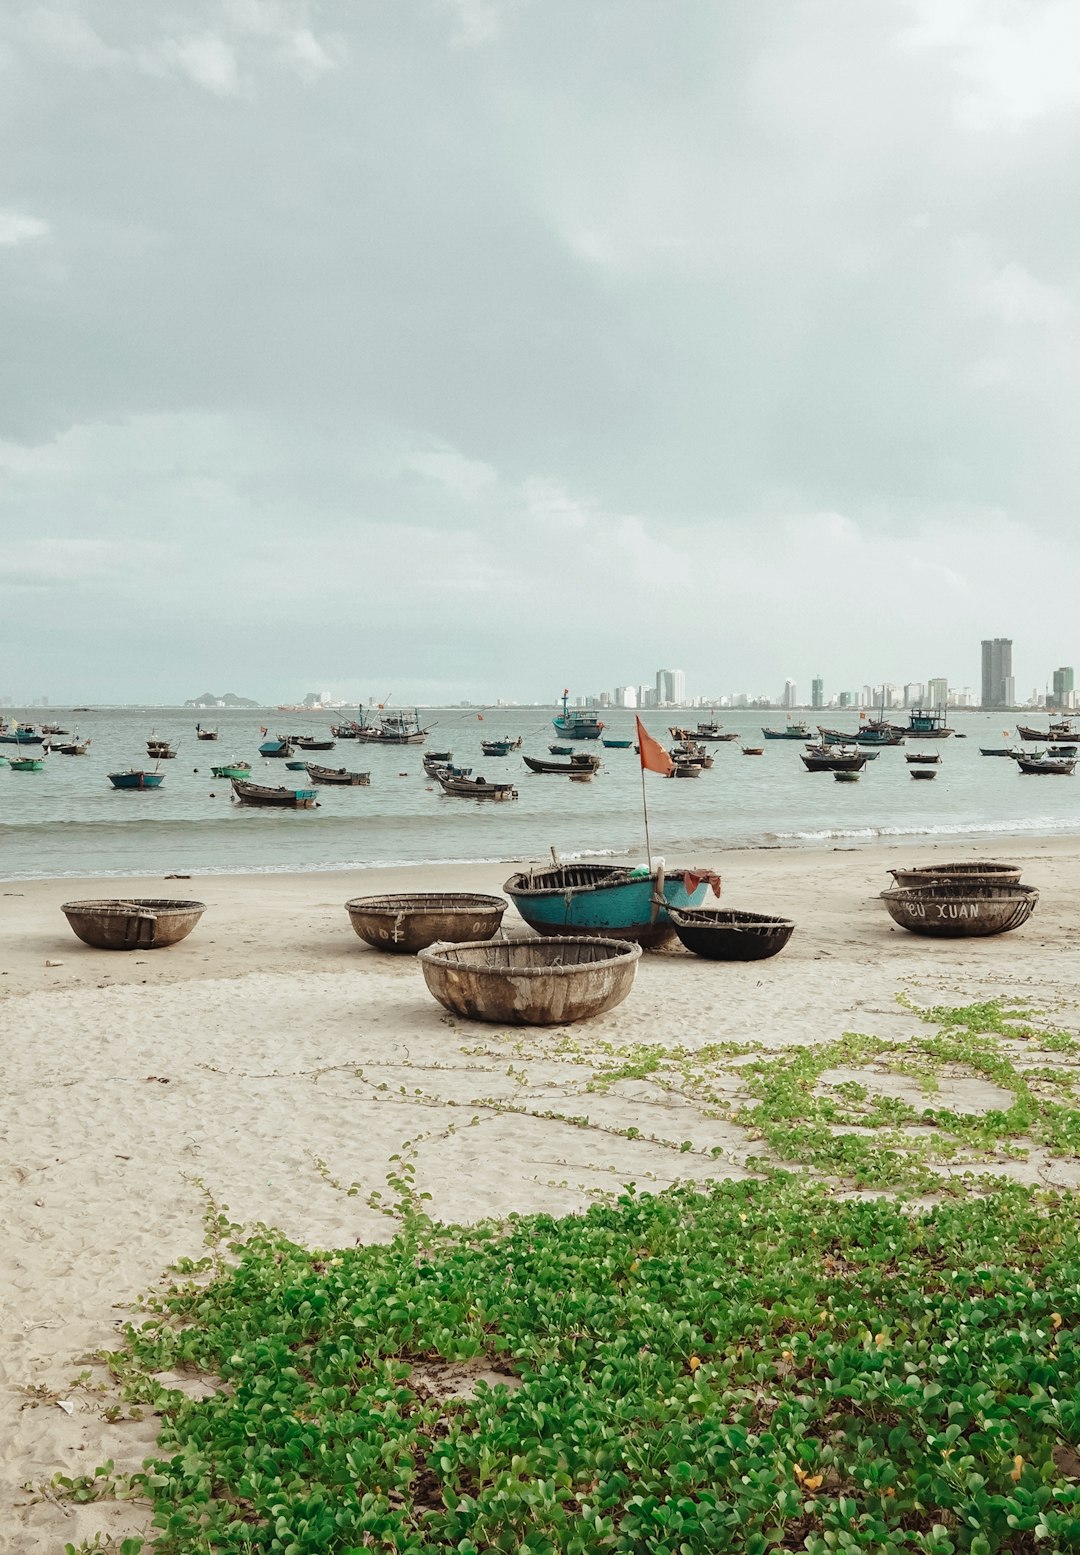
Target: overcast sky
[(467, 348)]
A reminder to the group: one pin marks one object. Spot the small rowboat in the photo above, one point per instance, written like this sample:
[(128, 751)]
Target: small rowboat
[(720, 934), (338, 776), (561, 750), (280, 748), (276, 798), (1063, 767), (531, 982), (74, 748), (315, 745), (296, 766), (27, 763), (579, 762), (160, 750), (137, 924), (499, 747), (233, 769), (958, 908), (136, 779), (473, 788), (922, 758), (616, 745), (408, 922), (753, 750)]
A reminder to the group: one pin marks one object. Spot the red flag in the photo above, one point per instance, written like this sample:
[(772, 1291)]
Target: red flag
[(654, 758), (479, 718)]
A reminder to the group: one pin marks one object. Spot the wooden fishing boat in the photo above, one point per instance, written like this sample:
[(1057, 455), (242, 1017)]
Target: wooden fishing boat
[(580, 761), (346, 731), (438, 758), (74, 748), (205, 734), (136, 779), (1060, 765), (275, 798), (611, 745), (160, 750), (606, 899), (462, 787), (719, 934), (580, 725), (1002, 751), (391, 729), (296, 766), (988, 871), (278, 749), (925, 724), (53, 729), (1061, 730), (684, 767), (310, 744), (499, 747), (27, 763), (410, 921), (753, 750), (691, 751), (866, 736), (17, 735), (832, 758), (922, 758), (561, 750), (338, 776), (799, 731), (233, 769), (537, 982), (957, 908), (138, 923)]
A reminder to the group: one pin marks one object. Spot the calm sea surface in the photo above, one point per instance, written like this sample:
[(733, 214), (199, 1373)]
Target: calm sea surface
[(67, 820)]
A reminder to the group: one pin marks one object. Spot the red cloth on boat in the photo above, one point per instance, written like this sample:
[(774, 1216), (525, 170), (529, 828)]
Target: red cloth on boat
[(695, 878)]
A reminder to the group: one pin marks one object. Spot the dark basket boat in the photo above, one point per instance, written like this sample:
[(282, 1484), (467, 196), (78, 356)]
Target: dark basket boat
[(960, 908), (926, 773), (337, 776), (988, 870), (531, 982), (411, 921), (136, 924), (719, 934)]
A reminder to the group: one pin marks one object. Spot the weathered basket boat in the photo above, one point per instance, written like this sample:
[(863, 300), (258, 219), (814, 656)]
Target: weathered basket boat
[(988, 870), (411, 921), (296, 766), (276, 798), (533, 982), (955, 908), (143, 923), (607, 900), (338, 776), (720, 934), (923, 772), (160, 750), (846, 777)]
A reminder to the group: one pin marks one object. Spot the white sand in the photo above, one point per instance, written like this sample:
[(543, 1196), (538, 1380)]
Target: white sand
[(233, 1058)]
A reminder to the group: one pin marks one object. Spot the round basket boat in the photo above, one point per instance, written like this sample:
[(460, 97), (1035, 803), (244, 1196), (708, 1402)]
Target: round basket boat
[(133, 924), (987, 870), (410, 921), (720, 934), (961, 908), (531, 982)]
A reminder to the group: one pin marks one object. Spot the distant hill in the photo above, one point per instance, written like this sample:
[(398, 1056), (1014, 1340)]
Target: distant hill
[(230, 699)]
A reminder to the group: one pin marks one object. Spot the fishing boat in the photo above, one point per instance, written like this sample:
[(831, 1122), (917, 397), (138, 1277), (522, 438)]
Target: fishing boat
[(391, 729), (611, 745), (922, 758), (296, 766), (438, 757), (872, 735), (706, 731), (74, 748), (277, 798), (925, 724), (309, 743), (343, 731), (798, 731), (1064, 766), (1061, 730), (279, 748), (52, 729), (499, 747), (17, 735), (608, 900), (27, 763), (582, 724), (753, 750), (994, 751), (833, 758), (338, 776), (561, 750), (843, 776), (136, 779), (160, 750), (205, 734), (233, 769), (579, 762), (683, 767), (473, 788), (691, 751)]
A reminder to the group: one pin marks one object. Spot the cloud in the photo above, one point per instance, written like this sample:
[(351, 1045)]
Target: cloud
[(1016, 297), (17, 228)]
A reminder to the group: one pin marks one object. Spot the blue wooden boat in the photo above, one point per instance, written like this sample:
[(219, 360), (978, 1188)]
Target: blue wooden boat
[(27, 763), (296, 766), (561, 750), (790, 732), (18, 736), (602, 899), (275, 748), (498, 747), (580, 725), (134, 779), (615, 745)]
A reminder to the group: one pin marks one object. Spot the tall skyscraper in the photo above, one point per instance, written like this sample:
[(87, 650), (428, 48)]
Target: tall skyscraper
[(791, 696), (670, 687), (998, 688), (937, 691), (817, 692), (1064, 682)]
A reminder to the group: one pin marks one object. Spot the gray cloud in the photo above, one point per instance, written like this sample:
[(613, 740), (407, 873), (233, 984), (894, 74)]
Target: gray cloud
[(478, 348)]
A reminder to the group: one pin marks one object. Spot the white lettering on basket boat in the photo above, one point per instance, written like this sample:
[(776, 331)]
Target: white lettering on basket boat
[(947, 909)]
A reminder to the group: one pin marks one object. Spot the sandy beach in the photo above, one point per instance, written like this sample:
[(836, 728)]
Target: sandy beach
[(272, 1061)]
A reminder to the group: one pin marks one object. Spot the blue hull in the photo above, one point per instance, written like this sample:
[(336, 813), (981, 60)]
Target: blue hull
[(621, 910), (136, 779)]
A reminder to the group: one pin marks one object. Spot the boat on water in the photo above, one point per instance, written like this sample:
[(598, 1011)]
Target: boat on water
[(868, 735), (136, 779), (233, 769), (609, 900), (74, 748), (17, 735), (561, 750), (160, 750), (1061, 731), (276, 798), (52, 729), (922, 758), (1064, 766), (611, 745), (924, 723), (338, 776), (844, 776), (462, 787), (833, 758), (27, 763), (277, 748), (309, 743), (692, 753), (205, 734), (753, 750), (923, 772), (996, 751), (580, 761), (795, 731), (391, 729), (704, 731), (582, 724), (500, 747), (343, 731), (684, 767)]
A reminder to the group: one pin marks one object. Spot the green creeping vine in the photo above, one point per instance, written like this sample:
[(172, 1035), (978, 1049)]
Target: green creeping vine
[(762, 1366)]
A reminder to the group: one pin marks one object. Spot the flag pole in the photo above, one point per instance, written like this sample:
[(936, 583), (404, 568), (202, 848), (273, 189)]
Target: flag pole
[(645, 817)]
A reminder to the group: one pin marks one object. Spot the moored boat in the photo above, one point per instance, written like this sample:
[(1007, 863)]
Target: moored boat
[(276, 798), (1063, 766), (795, 731), (462, 787), (205, 734), (391, 729), (580, 725), (74, 748), (499, 747), (277, 748), (338, 776), (561, 750), (579, 762), (136, 779), (922, 758), (833, 758), (233, 769), (613, 745), (160, 750), (27, 763), (606, 899), (1060, 730)]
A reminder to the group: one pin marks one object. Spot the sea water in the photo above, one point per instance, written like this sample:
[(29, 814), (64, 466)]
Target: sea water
[(68, 820)]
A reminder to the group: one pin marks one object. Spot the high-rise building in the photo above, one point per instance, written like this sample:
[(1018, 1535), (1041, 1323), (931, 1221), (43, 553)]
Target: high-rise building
[(937, 691), (791, 695), (646, 696), (913, 693), (625, 696), (670, 687), (1064, 683), (846, 699), (997, 675), (817, 692)]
